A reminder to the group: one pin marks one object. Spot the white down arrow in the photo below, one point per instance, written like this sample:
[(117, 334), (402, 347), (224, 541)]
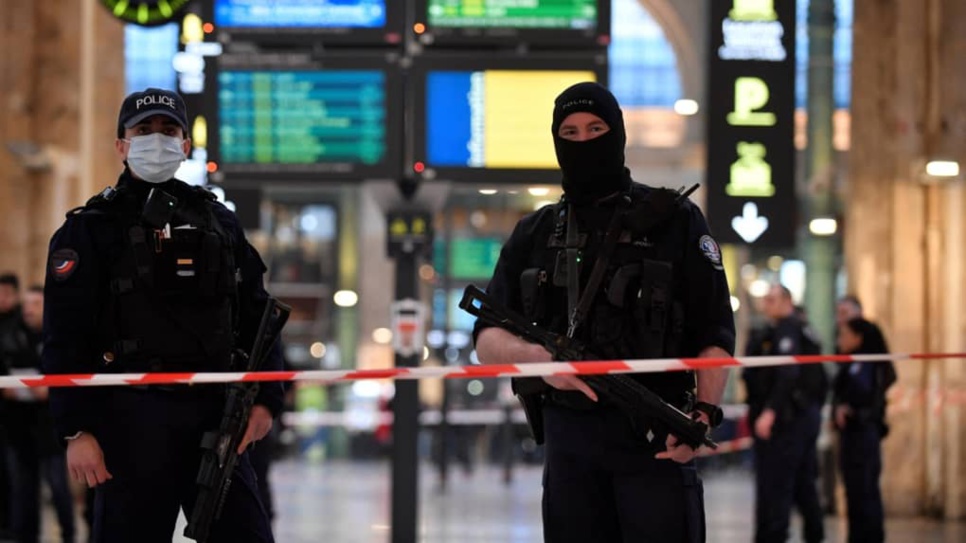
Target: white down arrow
[(750, 226)]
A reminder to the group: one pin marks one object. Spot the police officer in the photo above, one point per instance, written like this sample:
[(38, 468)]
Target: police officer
[(664, 293), (860, 408), (153, 275), (784, 406)]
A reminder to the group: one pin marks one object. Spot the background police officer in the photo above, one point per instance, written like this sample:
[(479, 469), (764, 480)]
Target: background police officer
[(860, 415), (153, 275), (784, 407), (665, 294)]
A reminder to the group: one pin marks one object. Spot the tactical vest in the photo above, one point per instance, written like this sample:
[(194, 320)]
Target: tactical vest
[(172, 294), (638, 310)]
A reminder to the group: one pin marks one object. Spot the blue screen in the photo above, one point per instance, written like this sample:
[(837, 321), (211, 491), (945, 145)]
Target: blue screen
[(449, 118), (301, 13)]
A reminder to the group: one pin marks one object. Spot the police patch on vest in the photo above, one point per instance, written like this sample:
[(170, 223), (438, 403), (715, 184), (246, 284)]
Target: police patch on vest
[(63, 263), (711, 251)]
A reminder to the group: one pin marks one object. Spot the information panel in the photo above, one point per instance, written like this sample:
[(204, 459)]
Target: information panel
[(288, 114), (571, 23), (362, 21), (488, 119), (513, 14), (751, 151)]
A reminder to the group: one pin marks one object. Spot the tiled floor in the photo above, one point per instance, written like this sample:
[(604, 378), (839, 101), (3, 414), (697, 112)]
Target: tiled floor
[(348, 502)]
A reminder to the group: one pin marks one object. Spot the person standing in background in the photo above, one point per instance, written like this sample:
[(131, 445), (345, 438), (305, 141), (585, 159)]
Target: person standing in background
[(34, 451), (9, 322), (860, 409)]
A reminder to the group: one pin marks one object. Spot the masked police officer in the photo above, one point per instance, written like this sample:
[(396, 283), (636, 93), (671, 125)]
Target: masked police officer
[(664, 293), (153, 275)]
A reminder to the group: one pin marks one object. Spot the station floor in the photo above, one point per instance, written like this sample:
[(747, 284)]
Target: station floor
[(348, 502)]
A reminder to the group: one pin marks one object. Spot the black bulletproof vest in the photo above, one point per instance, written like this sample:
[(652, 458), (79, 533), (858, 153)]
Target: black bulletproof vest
[(636, 312), (172, 293)]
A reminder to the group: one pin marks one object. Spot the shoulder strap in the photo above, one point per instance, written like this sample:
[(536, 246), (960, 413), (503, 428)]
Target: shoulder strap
[(614, 230)]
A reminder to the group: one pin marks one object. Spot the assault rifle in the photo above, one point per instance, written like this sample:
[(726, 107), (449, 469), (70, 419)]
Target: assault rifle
[(221, 446), (631, 397)]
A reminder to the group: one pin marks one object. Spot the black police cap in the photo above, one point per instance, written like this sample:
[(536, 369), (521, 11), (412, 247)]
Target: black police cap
[(141, 105)]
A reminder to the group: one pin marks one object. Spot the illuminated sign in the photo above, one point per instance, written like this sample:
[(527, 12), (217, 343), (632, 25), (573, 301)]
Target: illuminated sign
[(500, 123), (500, 13), (408, 232), (301, 13), (145, 12), (488, 119), (307, 22), (294, 116), (751, 174), (573, 24)]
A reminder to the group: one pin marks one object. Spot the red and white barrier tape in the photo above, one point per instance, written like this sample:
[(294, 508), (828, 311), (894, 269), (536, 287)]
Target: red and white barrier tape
[(585, 367)]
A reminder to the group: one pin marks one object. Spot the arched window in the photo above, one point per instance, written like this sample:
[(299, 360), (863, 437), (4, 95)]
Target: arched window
[(841, 53), (148, 53), (643, 65)]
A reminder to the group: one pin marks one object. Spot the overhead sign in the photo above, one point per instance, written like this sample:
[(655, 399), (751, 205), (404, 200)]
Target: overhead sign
[(486, 118), (751, 108), (408, 232), (297, 116), (572, 24)]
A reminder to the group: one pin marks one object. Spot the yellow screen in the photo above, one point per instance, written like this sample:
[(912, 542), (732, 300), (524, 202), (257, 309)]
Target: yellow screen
[(518, 114)]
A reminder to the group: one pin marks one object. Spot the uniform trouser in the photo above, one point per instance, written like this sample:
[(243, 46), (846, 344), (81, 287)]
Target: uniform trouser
[(602, 483), (786, 469), (33, 457), (260, 457), (27, 469), (151, 442), (861, 467)]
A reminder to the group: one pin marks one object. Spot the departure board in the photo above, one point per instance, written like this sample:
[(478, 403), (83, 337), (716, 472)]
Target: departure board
[(487, 118), (307, 22), (513, 13), (494, 118), (300, 13), (317, 119)]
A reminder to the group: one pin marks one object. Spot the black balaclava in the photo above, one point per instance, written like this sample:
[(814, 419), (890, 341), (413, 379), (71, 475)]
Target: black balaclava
[(595, 168)]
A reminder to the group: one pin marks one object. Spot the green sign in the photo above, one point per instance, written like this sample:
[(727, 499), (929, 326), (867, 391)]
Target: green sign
[(473, 258), (572, 14)]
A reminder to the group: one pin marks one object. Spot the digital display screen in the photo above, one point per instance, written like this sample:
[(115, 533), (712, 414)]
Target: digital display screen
[(575, 14), (568, 24), (494, 118), (301, 13), (296, 117), (285, 116)]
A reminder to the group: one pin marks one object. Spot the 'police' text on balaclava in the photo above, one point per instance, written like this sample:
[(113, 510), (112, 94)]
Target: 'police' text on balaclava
[(594, 168)]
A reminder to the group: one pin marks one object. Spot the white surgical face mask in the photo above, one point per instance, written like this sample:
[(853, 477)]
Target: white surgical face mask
[(155, 157)]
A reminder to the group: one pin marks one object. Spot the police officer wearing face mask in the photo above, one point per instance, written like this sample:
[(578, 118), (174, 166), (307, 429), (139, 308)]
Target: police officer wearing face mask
[(153, 275), (663, 294)]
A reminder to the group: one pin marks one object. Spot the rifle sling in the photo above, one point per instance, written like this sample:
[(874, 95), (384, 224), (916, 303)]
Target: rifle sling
[(600, 266)]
